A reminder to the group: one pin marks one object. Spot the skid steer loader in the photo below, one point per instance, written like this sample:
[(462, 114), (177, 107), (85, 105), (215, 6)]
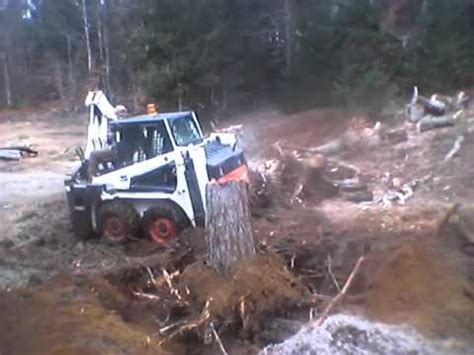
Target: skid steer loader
[(146, 174)]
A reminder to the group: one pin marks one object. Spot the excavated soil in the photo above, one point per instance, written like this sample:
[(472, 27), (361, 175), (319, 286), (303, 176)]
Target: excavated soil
[(420, 284), (96, 314), (66, 316)]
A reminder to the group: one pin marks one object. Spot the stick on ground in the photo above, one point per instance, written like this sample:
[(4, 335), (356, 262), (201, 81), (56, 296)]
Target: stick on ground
[(317, 323), (455, 149)]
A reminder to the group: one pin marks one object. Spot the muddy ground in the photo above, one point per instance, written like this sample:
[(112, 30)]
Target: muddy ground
[(65, 296)]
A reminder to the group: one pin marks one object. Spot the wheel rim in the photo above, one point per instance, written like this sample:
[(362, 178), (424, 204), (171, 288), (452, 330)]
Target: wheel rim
[(115, 229), (161, 229)]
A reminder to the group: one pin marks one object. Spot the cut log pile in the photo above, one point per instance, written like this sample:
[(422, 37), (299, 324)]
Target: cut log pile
[(438, 105), (312, 173), (438, 111)]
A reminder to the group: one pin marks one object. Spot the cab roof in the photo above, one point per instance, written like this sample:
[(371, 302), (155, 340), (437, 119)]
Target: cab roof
[(149, 119)]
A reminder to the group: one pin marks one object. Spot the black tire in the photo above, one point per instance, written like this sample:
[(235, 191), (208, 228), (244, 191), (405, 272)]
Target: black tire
[(118, 222), (82, 232), (169, 217)]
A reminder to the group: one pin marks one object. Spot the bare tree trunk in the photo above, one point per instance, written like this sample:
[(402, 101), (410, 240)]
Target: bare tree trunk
[(58, 78), (288, 37), (229, 235), (86, 33), (6, 79), (99, 32), (107, 49), (70, 66), (4, 55)]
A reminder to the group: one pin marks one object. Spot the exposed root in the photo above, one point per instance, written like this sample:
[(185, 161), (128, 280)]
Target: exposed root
[(188, 326), (153, 279), (145, 296), (218, 339), (329, 266), (168, 278)]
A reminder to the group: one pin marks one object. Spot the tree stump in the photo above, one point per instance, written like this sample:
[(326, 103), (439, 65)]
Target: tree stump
[(229, 236)]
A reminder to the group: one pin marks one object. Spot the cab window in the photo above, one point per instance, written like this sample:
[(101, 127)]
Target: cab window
[(141, 142), (185, 131)]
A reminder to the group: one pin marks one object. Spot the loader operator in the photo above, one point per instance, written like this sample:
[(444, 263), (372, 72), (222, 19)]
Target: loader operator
[(131, 146), (104, 156)]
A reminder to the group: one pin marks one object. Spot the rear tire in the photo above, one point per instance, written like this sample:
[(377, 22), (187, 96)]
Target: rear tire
[(118, 222), (163, 223)]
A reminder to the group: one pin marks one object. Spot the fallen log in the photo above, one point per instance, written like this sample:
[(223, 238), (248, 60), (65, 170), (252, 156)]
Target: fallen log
[(24, 150), (369, 137), (16, 152), (429, 123), (10, 155)]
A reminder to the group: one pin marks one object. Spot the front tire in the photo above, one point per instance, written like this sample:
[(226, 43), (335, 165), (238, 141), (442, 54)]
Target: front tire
[(163, 223), (118, 222)]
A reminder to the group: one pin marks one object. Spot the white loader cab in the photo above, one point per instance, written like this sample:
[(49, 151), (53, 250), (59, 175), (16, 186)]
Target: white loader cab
[(147, 174)]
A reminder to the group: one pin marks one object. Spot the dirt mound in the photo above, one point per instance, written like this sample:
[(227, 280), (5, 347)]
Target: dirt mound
[(258, 288), (260, 285), (417, 283), (67, 316), (457, 229), (147, 310)]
